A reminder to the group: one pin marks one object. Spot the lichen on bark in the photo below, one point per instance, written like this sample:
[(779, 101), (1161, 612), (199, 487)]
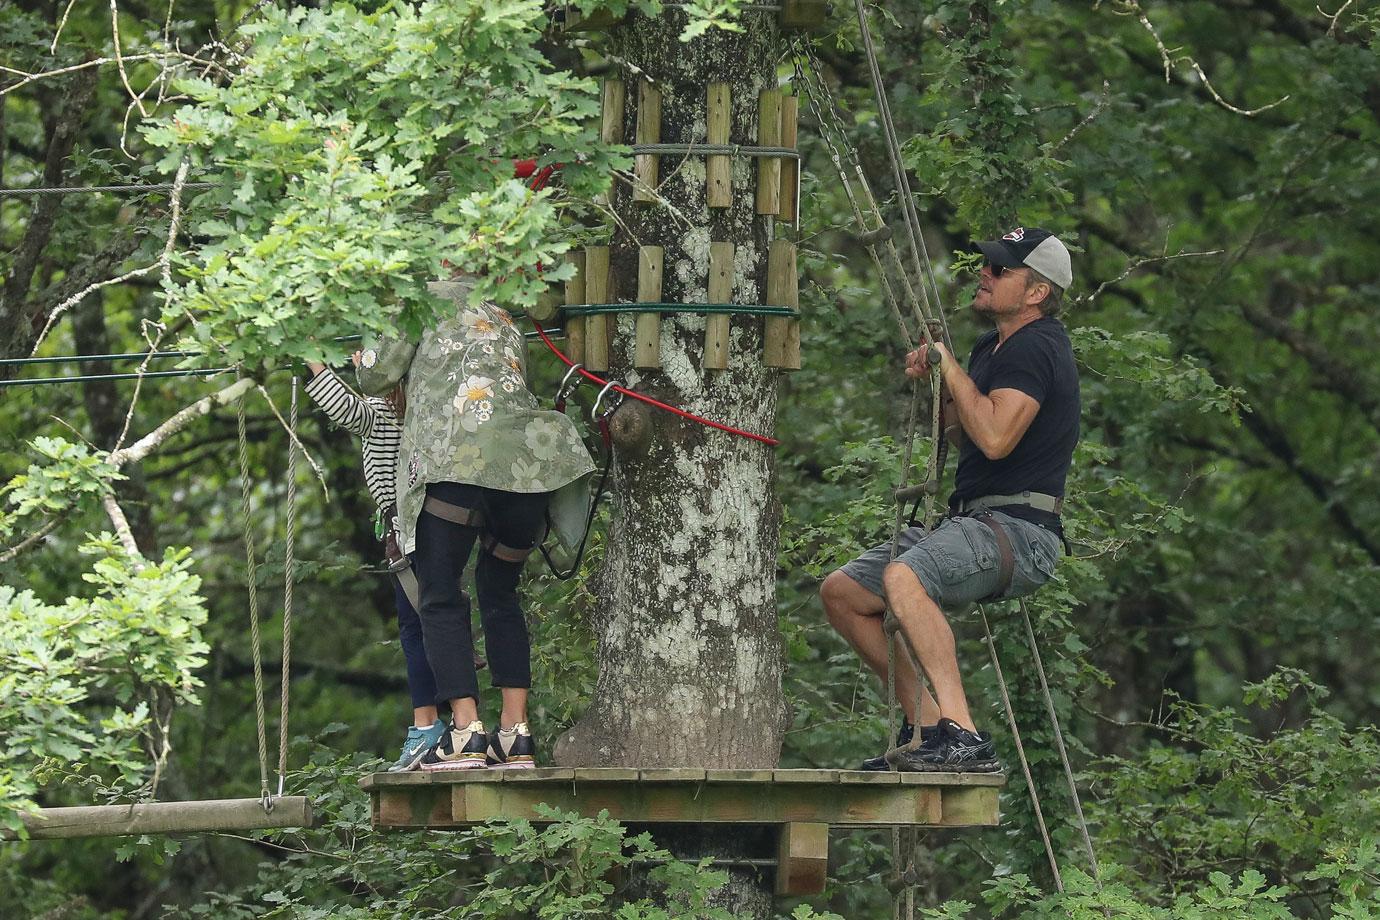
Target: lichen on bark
[(689, 648)]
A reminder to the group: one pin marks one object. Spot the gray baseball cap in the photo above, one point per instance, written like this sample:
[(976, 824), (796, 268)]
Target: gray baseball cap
[(1034, 248)]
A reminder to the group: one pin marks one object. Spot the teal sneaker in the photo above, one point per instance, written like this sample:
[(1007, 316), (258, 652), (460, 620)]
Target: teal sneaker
[(419, 741)]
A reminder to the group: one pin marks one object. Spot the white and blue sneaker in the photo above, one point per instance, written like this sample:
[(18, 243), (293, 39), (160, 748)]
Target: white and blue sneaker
[(419, 741)]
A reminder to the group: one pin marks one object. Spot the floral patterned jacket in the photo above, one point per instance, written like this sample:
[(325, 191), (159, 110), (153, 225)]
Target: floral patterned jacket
[(471, 418)]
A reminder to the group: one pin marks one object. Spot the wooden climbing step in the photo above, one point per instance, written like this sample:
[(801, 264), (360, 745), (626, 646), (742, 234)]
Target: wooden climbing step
[(804, 804)]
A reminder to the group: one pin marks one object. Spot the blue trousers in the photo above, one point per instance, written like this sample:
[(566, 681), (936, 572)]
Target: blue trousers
[(420, 681)]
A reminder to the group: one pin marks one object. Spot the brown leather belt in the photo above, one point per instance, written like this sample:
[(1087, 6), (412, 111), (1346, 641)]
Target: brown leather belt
[(1006, 559)]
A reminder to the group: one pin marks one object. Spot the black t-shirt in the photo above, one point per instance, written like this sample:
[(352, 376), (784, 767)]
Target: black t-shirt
[(1036, 359)]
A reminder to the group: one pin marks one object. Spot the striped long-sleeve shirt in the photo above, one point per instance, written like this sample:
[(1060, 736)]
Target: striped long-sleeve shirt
[(373, 419)]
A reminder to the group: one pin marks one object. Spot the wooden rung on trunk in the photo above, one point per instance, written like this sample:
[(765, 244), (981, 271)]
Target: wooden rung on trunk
[(168, 818), (802, 858), (610, 119), (647, 350), (646, 165), (769, 168), (717, 326), (790, 169), (718, 170), (597, 325), (575, 294), (782, 334)]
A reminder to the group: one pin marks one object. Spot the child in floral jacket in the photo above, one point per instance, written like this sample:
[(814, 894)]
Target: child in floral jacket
[(480, 462)]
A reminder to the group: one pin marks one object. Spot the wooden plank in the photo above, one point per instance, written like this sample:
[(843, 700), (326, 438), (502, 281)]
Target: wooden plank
[(718, 170), (611, 111), (802, 858), (738, 776), (805, 776), (647, 165), (539, 775), (769, 168), (869, 778), (200, 817), (790, 169), (970, 806), (801, 15), (596, 345), (716, 328), (647, 336), (672, 775), (953, 779), (782, 334), (606, 774), (575, 294), (855, 805), (412, 806), (929, 805)]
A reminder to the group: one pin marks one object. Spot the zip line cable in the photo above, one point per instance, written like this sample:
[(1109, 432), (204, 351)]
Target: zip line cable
[(139, 356)]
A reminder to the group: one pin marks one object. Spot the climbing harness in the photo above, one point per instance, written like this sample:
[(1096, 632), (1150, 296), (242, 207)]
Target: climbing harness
[(876, 236)]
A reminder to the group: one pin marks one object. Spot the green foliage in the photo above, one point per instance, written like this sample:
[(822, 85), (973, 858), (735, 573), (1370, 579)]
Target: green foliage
[(1299, 802), (355, 153), (79, 680), (561, 870), (70, 474)]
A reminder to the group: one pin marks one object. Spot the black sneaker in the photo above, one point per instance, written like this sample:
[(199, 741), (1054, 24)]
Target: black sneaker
[(904, 736), (952, 749), (512, 748), (458, 749)]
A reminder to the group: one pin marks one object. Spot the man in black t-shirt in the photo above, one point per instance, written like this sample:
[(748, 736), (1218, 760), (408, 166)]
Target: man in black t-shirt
[(1014, 415)]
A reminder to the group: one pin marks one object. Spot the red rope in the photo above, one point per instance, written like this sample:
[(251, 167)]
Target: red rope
[(771, 442)]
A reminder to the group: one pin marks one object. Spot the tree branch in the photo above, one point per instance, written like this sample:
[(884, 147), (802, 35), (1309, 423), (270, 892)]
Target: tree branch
[(145, 445)]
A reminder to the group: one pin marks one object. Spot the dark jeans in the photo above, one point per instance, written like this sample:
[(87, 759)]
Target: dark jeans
[(420, 682), (443, 551)]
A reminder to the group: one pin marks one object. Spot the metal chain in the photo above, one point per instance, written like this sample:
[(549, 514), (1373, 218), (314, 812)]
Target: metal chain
[(252, 569), (289, 573)]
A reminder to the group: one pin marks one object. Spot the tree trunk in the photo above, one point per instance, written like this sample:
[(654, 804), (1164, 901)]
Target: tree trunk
[(688, 643)]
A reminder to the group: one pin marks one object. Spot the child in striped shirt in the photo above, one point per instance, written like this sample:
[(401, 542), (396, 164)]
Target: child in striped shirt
[(377, 420)]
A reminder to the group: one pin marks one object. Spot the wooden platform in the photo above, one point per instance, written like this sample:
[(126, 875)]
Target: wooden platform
[(847, 798), (802, 804)]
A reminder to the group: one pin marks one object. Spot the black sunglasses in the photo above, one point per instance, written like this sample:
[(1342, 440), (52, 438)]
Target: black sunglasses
[(997, 270)]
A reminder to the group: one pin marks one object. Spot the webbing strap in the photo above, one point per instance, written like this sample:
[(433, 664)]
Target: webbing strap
[(407, 579), (1006, 559), (504, 552), (1037, 500), (456, 514)]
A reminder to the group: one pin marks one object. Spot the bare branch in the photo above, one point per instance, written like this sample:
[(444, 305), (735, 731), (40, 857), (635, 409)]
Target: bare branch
[(78, 297), (316, 468), (97, 62), (119, 59), (122, 530), (1087, 300), (1088, 119), (1334, 17), (184, 417), (1133, 8), (48, 527)]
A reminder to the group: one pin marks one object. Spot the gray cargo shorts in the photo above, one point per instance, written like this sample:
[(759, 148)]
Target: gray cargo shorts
[(958, 562)]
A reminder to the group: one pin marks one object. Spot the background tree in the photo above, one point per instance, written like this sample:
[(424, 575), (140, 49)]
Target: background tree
[(1223, 513)]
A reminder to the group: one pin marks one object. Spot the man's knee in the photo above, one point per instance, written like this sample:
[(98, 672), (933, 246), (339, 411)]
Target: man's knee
[(843, 597), (900, 580)]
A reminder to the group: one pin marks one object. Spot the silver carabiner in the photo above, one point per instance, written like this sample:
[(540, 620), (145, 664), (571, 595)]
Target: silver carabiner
[(561, 392), (613, 405)]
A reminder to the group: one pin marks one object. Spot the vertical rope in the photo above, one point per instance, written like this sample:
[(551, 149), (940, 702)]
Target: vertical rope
[(1020, 751), (289, 573), (1059, 741), (252, 570)]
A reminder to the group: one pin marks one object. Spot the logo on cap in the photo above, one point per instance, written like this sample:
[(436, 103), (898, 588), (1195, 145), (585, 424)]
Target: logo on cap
[(1016, 235)]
